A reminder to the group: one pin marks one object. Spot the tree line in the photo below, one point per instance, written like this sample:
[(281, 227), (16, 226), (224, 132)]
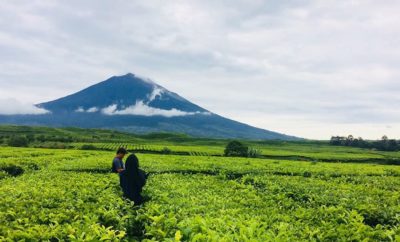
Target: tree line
[(384, 144), (25, 140)]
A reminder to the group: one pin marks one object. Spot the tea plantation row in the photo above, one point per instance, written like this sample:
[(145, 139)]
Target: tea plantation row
[(70, 195)]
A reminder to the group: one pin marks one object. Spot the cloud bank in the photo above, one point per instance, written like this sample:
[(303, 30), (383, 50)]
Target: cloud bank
[(279, 65), (12, 107), (89, 110), (140, 108)]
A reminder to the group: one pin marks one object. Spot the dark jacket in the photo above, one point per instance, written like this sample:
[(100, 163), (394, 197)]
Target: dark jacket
[(133, 179)]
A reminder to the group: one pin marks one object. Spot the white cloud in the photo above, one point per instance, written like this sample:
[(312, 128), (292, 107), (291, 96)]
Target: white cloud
[(305, 59), (156, 92), (12, 106), (92, 110), (89, 110), (110, 110), (80, 110), (140, 108)]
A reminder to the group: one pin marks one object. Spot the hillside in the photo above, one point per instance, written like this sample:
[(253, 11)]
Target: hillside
[(138, 105)]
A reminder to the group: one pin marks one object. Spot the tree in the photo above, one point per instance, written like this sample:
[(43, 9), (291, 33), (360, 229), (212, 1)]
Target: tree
[(18, 141), (338, 140), (349, 140), (236, 148), (384, 143), (30, 137), (335, 140), (41, 138), (362, 143), (392, 145)]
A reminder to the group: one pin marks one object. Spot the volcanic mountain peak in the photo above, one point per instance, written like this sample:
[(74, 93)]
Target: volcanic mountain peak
[(136, 104), (124, 95)]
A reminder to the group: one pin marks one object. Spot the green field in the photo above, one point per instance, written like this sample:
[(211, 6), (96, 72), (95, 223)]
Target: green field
[(56, 194), (76, 138)]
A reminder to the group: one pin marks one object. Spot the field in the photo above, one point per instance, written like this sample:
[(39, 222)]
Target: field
[(54, 194)]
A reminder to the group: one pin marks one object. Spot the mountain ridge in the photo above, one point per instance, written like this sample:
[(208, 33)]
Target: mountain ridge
[(135, 104), (122, 91)]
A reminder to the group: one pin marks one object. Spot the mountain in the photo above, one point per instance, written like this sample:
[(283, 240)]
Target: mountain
[(135, 104)]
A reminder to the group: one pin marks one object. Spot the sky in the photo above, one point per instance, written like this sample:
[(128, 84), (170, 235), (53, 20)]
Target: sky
[(311, 69)]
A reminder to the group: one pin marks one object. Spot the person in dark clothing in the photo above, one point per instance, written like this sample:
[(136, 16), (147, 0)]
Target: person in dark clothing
[(118, 164), (133, 179)]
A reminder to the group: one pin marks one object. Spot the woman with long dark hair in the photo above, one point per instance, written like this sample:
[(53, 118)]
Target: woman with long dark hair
[(132, 180)]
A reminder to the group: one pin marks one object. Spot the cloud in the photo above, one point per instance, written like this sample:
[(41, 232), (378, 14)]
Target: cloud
[(140, 108), (89, 110), (110, 110), (12, 106), (80, 110), (92, 110), (157, 91), (332, 62)]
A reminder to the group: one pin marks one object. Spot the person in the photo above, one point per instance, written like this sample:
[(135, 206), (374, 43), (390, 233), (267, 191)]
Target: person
[(118, 164), (132, 180)]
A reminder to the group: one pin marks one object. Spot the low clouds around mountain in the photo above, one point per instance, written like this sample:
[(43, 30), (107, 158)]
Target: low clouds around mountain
[(12, 106)]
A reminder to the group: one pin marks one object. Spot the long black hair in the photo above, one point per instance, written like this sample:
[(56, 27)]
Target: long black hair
[(132, 179), (132, 168), (132, 162)]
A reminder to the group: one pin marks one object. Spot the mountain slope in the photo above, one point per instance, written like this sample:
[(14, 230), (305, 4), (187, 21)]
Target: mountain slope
[(134, 104), (122, 91)]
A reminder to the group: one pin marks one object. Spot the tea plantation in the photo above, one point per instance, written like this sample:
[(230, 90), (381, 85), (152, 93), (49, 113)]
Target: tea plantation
[(70, 195)]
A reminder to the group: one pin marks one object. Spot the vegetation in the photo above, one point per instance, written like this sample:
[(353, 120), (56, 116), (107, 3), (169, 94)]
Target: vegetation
[(236, 148), (177, 144), (88, 147), (166, 150), (253, 152), (18, 141), (385, 144), (70, 195)]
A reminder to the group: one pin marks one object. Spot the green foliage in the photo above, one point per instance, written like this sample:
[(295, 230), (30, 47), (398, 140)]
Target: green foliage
[(236, 148), (166, 150), (385, 144), (253, 152), (183, 145), (30, 137), (88, 147), (53, 145), (71, 196), (18, 141), (11, 169)]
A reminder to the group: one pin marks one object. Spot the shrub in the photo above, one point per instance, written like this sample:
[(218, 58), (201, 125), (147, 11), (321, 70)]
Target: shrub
[(166, 150), (18, 141), (30, 137), (12, 170), (53, 145), (253, 153), (236, 148), (88, 147)]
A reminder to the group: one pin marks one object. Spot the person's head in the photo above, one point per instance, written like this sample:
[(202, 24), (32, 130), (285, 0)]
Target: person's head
[(132, 162), (121, 152)]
